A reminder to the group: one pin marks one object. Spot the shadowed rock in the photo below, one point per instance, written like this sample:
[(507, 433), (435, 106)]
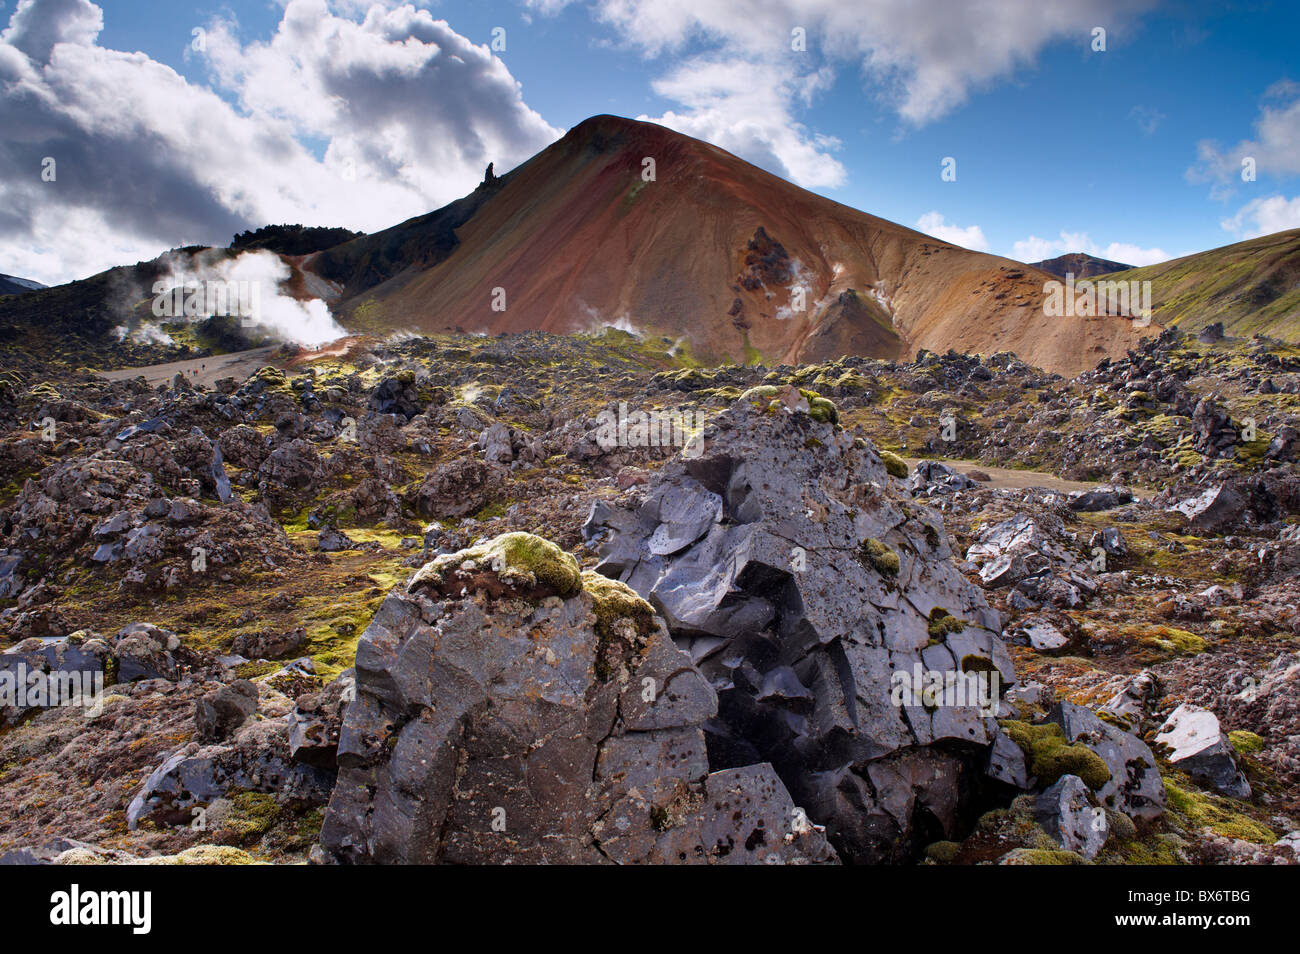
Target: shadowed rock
[(806, 586), (511, 709)]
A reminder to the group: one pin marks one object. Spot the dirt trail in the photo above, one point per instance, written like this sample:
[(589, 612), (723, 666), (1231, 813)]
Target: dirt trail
[(1008, 477), (206, 371)]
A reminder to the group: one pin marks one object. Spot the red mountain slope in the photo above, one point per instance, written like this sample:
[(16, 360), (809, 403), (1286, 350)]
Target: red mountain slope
[(714, 251)]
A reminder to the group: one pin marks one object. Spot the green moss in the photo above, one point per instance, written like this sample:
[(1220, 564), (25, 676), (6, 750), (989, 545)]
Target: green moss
[(1200, 810), (521, 561), (612, 601), (974, 663), (252, 814), (1042, 856), (1049, 756), (1247, 743), (942, 623), (1167, 640), (271, 380), (885, 560), (1154, 849), (819, 408), (203, 855), (895, 465), (943, 852), (1121, 825), (253, 670)]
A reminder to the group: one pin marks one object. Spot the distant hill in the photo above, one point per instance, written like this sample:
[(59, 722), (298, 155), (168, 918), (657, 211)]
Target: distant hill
[(291, 239), (1253, 287), (1080, 265), (9, 285)]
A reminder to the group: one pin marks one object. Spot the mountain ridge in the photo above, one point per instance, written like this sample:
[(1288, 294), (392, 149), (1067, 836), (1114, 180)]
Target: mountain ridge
[(712, 251)]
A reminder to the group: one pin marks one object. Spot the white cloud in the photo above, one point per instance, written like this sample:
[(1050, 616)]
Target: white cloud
[(971, 237), (922, 61), (409, 113), (1275, 147), (1275, 213), (1128, 254), (1035, 249), (741, 107)]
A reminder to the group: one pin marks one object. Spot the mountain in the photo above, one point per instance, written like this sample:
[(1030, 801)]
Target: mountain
[(1080, 265), (714, 252), (9, 285), (1253, 287)]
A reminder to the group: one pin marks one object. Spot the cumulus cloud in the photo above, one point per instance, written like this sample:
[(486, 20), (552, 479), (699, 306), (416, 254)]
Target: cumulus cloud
[(1264, 216), (1275, 147), (740, 107), (404, 112), (971, 237), (1035, 249), (922, 62)]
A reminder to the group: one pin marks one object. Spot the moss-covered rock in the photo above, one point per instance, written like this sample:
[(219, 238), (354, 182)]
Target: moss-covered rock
[(1219, 815), (1041, 856), (895, 465), (943, 852), (819, 408), (515, 564), (942, 623), (1245, 742), (1050, 756), (612, 601), (885, 560)]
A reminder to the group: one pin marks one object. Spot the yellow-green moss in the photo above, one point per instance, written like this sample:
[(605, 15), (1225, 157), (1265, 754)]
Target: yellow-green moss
[(895, 465), (1042, 856), (1168, 640), (1049, 756), (819, 408), (612, 601), (1200, 810), (520, 560), (885, 560), (942, 623), (1247, 743), (203, 855), (943, 852), (251, 814)]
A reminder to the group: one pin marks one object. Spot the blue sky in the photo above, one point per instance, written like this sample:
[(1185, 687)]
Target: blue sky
[(337, 113)]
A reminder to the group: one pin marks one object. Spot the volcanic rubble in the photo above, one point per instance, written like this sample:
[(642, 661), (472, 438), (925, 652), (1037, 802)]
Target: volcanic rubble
[(408, 604)]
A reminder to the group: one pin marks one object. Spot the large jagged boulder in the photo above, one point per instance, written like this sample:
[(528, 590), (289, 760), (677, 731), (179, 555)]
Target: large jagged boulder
[(806, 585), (509, 708)]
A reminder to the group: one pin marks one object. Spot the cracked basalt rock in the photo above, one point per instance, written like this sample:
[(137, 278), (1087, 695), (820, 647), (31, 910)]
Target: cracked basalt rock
[(1071, 818), (800, 581), (1135, 786), (509, 708), (255, 758)]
